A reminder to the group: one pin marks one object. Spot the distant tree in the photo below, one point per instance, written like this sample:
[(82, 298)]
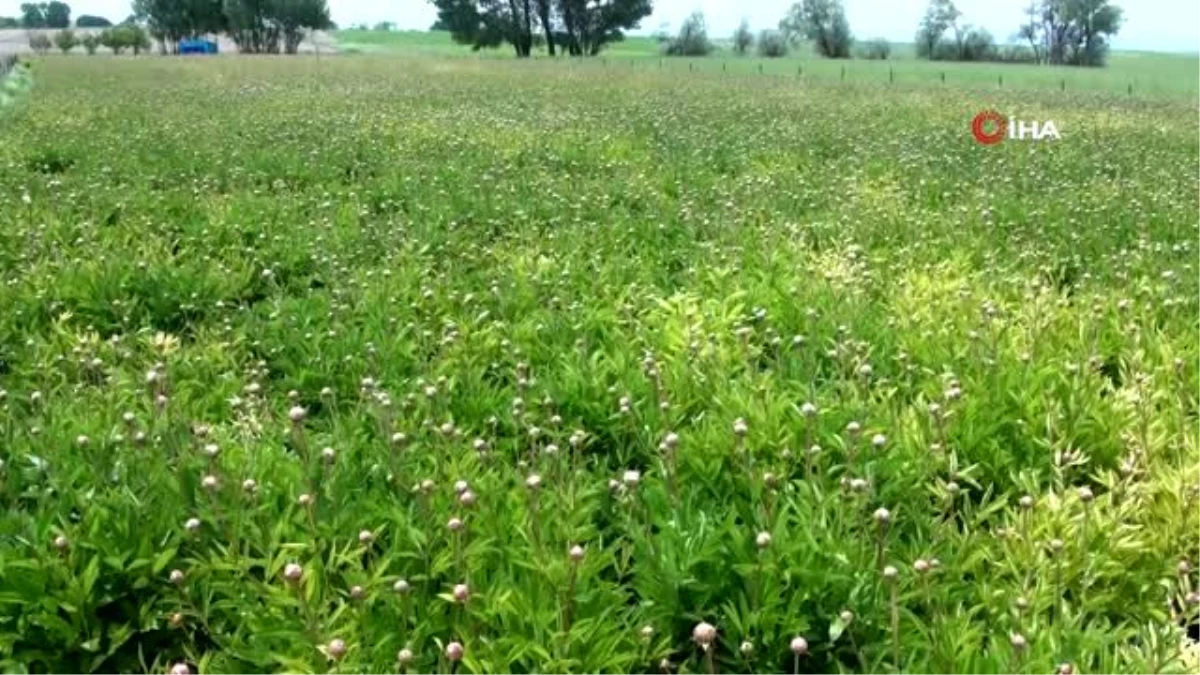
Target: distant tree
[(590, 25), (877, 49), (692, 39), (1031, 31), (581, 27), (977, 45), (295, 17), (89, 21), (439, 26), (385, 26), (743, 39), (544, 10), (134, 37), (9, 22), (90, 43), (58, 14), (33, 15), (112, 39), (939, 17), (488, 23), (1077, 32), (40, 42), (170, 21), (772, 44), (65, 40), (823, 22), (663, 34)]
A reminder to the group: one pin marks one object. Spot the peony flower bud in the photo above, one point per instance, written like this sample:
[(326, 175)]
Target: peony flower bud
[(454, 651), (799, 646)]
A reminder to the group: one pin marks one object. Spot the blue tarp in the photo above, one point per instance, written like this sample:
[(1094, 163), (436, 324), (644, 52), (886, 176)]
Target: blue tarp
[(197, 47)]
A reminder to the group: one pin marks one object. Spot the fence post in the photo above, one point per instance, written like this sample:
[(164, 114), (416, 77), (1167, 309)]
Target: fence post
[(943, 77), (1062, 85), (891, 75), (689, 66), (843, 73), (1000, 82), (799, 71), (1130, 89), (760, 68), (724, 66)]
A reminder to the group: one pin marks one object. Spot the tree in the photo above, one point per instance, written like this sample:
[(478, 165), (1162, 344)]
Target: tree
[(111, 39), (487, 23), (170, 21), (1031, 31), (591, 24), (9, 22), (89, 21), (297, 16), (939, 17), (40, 43), (439, 26), (692, 39), (252, 26), (1090, 26), (544, 8), (385, 26), (33, 15), (58, 14), (824, 23), (65, 40), (90, 43), (772, 44), (742, 38)]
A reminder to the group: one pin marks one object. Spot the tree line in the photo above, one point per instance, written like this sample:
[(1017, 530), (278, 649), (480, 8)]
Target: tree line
[(575, 27), (1058, 32), (255, 26)]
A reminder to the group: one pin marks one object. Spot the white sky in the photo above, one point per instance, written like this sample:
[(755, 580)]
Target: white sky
[(1166, 25)]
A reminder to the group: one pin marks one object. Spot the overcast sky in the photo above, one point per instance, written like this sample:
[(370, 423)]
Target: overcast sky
[(1166, 25)]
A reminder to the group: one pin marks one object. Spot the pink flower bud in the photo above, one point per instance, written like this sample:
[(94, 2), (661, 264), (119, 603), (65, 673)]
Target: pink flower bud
[(799, 646), (704, 633), (461, 593), (454, 651), (337, 649), (292, 572)]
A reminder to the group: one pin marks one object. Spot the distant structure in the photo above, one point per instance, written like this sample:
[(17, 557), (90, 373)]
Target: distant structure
[(197, 47)]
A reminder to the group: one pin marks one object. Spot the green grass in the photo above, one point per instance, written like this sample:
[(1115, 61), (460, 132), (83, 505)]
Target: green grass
[(214, 269), (1146, 73)]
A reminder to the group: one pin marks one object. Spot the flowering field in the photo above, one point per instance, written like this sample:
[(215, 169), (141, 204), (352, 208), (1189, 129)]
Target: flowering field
[(381, 365)]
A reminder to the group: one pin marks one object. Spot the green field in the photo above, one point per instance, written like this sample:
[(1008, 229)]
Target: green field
[(784, 357), (1139, 73)]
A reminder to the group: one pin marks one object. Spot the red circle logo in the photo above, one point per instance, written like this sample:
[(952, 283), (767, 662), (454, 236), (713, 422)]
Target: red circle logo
[(992, 119)]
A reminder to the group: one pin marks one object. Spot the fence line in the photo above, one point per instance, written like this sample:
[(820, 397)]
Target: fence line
[(698, 67)]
